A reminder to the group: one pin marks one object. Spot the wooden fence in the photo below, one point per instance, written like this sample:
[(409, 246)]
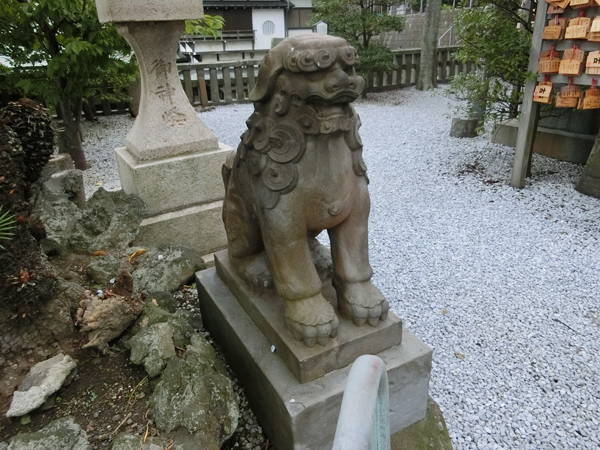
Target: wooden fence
[(408, 67), (223, 83)]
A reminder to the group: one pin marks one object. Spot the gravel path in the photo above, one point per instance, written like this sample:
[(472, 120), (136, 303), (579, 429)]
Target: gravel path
[(503, 284)]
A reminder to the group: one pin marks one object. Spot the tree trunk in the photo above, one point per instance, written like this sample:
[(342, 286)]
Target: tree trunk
[(69, 137), (88, 111), (428, 73)]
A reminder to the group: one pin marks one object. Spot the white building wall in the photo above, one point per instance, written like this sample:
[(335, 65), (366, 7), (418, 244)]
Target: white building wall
[(259, 17), (302, 3), (297, 31)]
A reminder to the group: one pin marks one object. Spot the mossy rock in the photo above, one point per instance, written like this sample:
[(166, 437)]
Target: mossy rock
[(430, 433)]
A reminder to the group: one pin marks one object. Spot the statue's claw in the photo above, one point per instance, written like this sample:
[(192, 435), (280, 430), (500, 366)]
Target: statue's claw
[(311, 320), (361, 302), (257, 272)]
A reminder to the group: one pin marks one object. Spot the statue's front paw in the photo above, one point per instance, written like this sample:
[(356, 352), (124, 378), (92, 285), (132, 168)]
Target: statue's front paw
[(311, 320), (361, 302)]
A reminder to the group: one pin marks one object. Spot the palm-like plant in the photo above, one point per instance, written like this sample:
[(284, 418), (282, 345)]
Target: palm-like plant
[(7, 225)]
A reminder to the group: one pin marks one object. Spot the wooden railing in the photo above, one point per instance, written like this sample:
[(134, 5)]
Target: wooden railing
[(219, 83), (230, 82)]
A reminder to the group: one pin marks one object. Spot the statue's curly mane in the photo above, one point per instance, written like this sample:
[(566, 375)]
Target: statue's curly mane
[(275, 140)]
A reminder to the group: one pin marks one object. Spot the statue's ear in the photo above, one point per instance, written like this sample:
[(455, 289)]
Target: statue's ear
[(270, 69)]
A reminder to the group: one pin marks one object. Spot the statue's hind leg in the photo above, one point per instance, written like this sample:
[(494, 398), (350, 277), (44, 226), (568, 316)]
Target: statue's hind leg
[(244, 240), (358, 299)]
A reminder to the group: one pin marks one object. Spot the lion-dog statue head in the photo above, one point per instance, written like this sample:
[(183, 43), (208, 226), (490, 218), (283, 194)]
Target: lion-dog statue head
[(297, 171)]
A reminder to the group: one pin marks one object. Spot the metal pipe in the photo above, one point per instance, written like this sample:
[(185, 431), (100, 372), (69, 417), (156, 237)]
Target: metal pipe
[(364, 421)]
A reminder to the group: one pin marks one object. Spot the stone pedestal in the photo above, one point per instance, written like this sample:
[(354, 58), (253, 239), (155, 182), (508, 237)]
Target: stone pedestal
[(299, 416), (307, 364), (172, 160)]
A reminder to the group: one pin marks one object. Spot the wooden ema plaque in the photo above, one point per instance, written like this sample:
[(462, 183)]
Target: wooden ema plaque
[(549, 62), (578, 28), (592, 64), (543, 92), (560, 4), (594, 36), (554, 9), (568, 97), (578, 4), (555, 29), (595, 27), (590, 98), (572, 62)]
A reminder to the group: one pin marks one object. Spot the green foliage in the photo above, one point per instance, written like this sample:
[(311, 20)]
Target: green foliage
[(207, 26), (59, 51), (33, 125), (500, 49), (355, 20), (376, 58), (7, 226)]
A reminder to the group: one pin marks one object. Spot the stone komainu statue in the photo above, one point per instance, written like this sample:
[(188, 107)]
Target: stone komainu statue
[(299, 170)]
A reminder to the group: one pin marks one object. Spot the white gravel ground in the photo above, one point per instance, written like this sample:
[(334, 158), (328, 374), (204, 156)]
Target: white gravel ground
[(503, 284)]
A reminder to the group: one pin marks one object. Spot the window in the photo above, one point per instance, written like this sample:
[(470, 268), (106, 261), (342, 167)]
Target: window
[(235, 19), (298, 17), (268, 28)]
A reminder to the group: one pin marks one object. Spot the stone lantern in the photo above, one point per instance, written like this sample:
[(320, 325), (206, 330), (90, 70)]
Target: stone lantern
[(172, 160)]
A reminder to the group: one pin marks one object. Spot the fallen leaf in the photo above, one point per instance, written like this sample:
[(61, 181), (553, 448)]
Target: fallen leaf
[(459, 355), (444, 311), (11, 192), (99, 253), (99, 184), (136, 254), (155, 302)]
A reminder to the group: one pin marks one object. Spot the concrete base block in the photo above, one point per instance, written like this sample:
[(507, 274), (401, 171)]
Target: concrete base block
[(200, 227), (170, 184), (556, 144), (299, 416), (267, 311)]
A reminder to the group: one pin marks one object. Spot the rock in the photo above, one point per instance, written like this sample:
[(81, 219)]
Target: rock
[(165, 300), (109, 220), (69, 183), (57, 163), (153, 347), (56, 315), (180, 322), (63, 433), (179, 441), (195, 393), (166, 268), (58, 215), (589, 183), (3, 446), (124, 441), (44, 379), (102, 268), (429, 433), (106, 318), (464, 127)]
